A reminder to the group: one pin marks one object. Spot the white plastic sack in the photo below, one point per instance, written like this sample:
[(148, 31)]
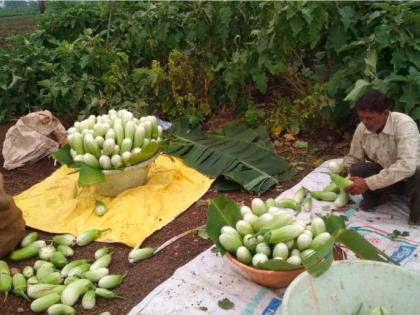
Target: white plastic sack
[(34, 136)]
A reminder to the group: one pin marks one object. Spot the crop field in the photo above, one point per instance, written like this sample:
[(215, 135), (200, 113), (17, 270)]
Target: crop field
[(15, 25), (258, 95)]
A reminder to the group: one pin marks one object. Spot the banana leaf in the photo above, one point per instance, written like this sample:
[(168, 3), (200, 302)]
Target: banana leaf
[(221, 184), (221, 211), (360, 246), (238, 153)]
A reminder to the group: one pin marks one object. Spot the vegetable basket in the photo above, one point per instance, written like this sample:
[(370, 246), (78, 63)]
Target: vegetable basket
[(112, 152), (116, 181), (353, 284), (275, 279)]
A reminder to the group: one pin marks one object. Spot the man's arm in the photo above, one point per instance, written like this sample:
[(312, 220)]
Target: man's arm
[(406, 164)]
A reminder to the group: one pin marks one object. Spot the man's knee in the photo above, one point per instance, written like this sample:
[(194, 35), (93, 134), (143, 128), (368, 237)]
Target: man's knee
[(417, 175), (357, 170), (365, 169), (416, 183)]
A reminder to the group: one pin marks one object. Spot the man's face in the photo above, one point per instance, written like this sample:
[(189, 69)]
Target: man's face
[(373, 121)]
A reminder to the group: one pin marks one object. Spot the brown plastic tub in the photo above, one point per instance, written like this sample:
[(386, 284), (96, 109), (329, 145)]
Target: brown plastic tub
[(275, 279)]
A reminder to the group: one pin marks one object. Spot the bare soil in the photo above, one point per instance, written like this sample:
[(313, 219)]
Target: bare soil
[(145, 275), (15, 25)]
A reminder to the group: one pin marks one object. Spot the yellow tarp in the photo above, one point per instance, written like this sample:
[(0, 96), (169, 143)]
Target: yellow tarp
[(59, 205)]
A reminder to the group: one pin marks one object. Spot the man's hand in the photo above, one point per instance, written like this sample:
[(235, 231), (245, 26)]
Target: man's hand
[(358, 187)]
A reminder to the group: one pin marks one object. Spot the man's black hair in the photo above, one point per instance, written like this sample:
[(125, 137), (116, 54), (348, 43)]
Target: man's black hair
[(373, 101)]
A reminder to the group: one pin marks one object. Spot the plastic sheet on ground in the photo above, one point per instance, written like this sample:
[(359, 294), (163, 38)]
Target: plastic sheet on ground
[(198, 286), (59, 205)]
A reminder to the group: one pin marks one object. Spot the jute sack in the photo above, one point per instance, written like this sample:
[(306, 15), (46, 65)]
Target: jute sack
[(33, 136), (12, 225)]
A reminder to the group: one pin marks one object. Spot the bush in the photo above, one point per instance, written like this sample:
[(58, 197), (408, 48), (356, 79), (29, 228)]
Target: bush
[(191, 58)]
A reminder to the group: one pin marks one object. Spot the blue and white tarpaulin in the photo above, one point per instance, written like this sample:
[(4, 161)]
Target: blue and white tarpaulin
[(198, 286)]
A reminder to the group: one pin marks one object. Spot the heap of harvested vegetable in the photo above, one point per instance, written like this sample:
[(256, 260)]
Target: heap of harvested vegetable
[(54, 284), (268, 230), (111, 141), (333, 192), (267, 235)]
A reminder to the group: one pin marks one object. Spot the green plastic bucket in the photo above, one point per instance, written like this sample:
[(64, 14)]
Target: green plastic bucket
[(341, 289)]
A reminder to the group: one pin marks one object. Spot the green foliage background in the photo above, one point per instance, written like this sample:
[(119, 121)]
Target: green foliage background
[(288, 64)]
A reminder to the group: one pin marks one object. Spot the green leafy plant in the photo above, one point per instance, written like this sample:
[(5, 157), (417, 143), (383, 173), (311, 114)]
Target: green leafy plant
[(379, 51), (193, 58), (253, 115)]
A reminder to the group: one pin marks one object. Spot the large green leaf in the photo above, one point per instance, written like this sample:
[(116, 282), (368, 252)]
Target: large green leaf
[(371, 60), (147, 152), (15, 79), (347, 14), (221, 211), (360, 246), (63, 155), (410, 97), (415, 113), (222, 184), (333, 223), (359, 88), (319, 262), (260, 80), (89, 175), (238, 153)]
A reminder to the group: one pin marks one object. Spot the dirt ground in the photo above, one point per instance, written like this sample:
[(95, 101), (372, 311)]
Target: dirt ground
[(15, 25), (145, 275)]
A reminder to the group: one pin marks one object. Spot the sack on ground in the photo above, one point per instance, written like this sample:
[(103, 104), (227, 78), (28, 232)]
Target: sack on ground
[(33, 137), (12, 225)]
